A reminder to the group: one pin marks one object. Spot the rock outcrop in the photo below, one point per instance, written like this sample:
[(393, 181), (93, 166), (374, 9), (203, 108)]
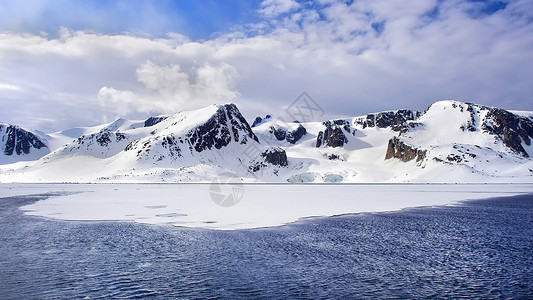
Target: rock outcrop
[(511, 128), (103, 138), (292, 137), (275, 156), (392, 119), (279, 133), (153, 120), (215, 133), (333, 136), (17, 141), (258, 121), (404, 152), (102, 144)]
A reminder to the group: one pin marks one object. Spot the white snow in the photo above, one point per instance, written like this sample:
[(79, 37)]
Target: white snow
[(190, 205)]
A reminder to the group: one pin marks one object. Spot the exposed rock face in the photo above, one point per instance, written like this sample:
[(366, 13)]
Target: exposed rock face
[(169, 143), (216, 133), (103, 138), (19, 141), (212, 134), (404, 152), (239, 124), (334, 157), (260, 120), (333, 136), (292, 137), (511, 128), (104, 143), (407, 126), (275, 156), (296, 135), (278, 132), (345, 124), (392, 119), (471, 124), (153, 120)]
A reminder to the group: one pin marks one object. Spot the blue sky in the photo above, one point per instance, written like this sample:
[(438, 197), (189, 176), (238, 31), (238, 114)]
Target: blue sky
[(196, 19), (79, 63)]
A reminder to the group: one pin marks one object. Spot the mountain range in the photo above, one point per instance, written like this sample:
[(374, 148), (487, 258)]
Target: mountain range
[(450, 141)]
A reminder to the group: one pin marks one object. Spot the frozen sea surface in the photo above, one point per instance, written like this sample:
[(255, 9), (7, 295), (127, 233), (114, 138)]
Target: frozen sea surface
[(479, 249), (260, 205)]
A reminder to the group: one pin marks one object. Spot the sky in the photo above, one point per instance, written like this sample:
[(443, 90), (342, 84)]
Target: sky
[(67, 63)]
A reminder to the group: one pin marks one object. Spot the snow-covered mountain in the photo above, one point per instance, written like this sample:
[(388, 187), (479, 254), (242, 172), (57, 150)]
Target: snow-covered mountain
[(187, 146), (481, 140), (450, 142)]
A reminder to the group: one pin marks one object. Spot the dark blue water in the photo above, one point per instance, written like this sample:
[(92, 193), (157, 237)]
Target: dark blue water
[(483, 249)]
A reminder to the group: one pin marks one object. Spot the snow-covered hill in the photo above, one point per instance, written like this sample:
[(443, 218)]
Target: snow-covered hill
[(450, 142)]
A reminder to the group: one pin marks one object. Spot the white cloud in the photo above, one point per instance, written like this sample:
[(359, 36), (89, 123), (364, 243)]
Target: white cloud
[(9, 87), (200, 85), (273, 8), (171, 89), (168, 80), (112, 100), (330, 50)]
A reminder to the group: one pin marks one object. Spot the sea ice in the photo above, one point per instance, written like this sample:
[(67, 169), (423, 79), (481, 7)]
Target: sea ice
[(262, 205)]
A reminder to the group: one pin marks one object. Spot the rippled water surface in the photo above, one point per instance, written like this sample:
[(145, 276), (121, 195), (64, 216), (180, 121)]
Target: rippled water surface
[(482, 249)]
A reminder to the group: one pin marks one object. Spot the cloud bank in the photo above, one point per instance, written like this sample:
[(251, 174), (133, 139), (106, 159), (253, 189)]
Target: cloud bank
[(352, 57)]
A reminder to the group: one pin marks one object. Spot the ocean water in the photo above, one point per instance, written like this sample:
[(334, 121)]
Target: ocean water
[(481, 249)]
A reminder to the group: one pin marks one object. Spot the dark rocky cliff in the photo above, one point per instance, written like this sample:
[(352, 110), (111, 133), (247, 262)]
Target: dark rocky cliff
[(333, 136), (393, 119), (292, 137), (512, 129), (217, 131), (404, 152), (18, 141)]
